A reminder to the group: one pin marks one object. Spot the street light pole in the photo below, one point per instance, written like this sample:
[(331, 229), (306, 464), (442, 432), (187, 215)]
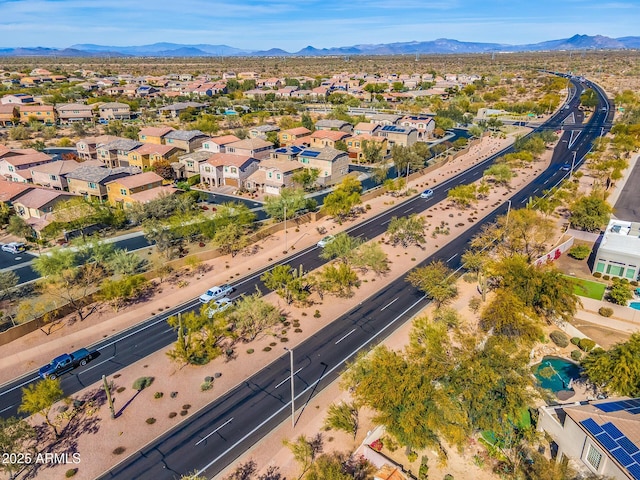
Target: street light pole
[(293, 408), (285, 227), (573, 163), (506, 224)]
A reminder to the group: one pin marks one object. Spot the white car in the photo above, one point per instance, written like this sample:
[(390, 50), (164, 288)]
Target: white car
[(216, 292), (219, 305), (428, 193), (326, 241), (13, 247)]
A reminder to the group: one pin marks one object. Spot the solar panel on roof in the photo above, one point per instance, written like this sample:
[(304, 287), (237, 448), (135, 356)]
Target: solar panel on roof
[(612, 430), (606, 441), (592, 426), (311, 153), (628, 445), (622, 456), (634, 470), (609, 407), (634, 410), (627, 404)]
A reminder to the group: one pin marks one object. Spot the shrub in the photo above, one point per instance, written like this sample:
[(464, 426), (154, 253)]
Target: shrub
[(579, 252), (284, 339), (412, 456), (559, 338), (597, 274), (172, 414), (575, 340), (204, 386), (448, 476), (119, 450), (298, 330), (183, 413), (142, 383), (150, 420), (633, 283), (586, 344), (158, 395), (186, 406), (208, 379), (576, 355), (606, 277), (619, 293), (71, 472), (250, 351), (266, 349), (173, 394), (120, 389), (317, 314), (605, 311)]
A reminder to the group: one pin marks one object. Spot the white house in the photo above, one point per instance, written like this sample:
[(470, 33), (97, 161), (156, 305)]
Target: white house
[(619, 252)]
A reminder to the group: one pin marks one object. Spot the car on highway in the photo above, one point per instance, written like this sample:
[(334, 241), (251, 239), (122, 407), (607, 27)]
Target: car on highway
[(428, 193), (219, 305), (326, 241), (216, 292), (565, 167), (13, 247)]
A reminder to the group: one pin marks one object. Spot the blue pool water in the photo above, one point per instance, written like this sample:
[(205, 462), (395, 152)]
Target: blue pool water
[(635, 305), (560, 373)]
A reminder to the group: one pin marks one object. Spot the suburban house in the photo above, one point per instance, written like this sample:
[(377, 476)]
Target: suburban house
[(36, 206), (114, 111), (74, 112), (327, 138), (40, 113), (218, 144), (15, 165), (250, 147), (367, 128), (148, 154), (116, 153), (10, 191), (91, 182), (227, 169), (383, 118), (618, 254), (54, 174), (262, 130), (174, 111), (404, 136), (287, 153), (17, 99), (272, 176), (188, 164), (87, 147), (9, 115), (186, 140), (288, 137), (119, 191), (154, 134), (332, 164), (334, 125), (355, 146), (425, 125), (600, 437)]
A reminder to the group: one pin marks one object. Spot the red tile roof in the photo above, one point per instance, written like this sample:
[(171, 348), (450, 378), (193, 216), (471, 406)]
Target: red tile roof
[(155, 131), (228, 159), (139, 180)]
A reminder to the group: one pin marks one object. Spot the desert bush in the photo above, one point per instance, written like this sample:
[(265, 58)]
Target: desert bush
[(71, 472), (150, 420), (606, 277), (317, 314), (158, 395), (173, 394), (266, 349), (575, 340), (142, 383), (576, 355), (204, 386), (586, 344), (559, 338), (183, 413), (597, 274), (172, 414), (119, 450), (579, 252), (605, 311)]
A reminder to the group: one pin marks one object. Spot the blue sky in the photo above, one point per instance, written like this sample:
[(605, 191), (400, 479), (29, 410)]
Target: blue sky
[(294, 24)]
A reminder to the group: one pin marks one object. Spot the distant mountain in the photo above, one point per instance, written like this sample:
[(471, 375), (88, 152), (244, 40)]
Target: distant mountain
[(438, 46)]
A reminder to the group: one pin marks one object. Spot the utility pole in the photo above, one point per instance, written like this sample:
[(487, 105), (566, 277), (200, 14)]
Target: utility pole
[(293, 408)]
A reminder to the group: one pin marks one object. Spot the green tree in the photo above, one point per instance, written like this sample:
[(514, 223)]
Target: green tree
[(39, 398), (16, 435), (619, 293), (616, 371), (343, 416), (306, 177), (199, 337), (372, 151), (589, 98), (290, 198), (304, 450), (126, 263), (339, 279), (406, 231), (343, 199), (20, 228), (287, 282), (463, 195), (231, 239), (590, 213), (343, 247), (507, 315), (371, 256), (251, 315), (119, 292), (500, 173), (436, 280), (526, 232), (8, 280)]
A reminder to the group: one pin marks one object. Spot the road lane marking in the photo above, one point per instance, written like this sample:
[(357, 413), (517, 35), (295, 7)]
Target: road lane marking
[(215, 431), (18, 386), (345, 336), (97, 364), (288, 378), (5, 409), (390, 303), (536, 190), (384, 223), (524, 200), (546, 181), (408, 210), (451, 257)]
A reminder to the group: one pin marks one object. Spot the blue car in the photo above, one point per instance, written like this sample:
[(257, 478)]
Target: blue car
[(565, 167)]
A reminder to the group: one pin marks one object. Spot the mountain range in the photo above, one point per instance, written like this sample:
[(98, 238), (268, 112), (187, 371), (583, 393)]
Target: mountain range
[(439, 46)]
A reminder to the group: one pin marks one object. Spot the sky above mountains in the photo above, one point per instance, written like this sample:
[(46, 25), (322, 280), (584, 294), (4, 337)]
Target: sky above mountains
[(294, 24)]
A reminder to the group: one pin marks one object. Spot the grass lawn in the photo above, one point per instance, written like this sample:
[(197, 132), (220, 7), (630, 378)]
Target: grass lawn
[(588, 288)]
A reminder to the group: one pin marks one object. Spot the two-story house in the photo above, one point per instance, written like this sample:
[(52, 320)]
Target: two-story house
[(154, 134), (289, 137), (367, 128), (188, 164), (424, 124), (383, 118), (17, 99), (54, 174), (37, 202), (334, 125), (15, 165), (91, 182), (37, 113), (74, 112), (186, 140), (327, 138), (355, 146), (116, 153), (332, 164), (250, 147), (87, 147), (272, 176), (218, 144), (261, 131), (114, 111), (227, 169), (405, 136), (174, 111), (287, 153), (148, 154), (119, 191), (9, 115)]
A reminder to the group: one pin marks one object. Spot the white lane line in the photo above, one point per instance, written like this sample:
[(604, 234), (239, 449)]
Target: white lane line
[(5, 409), (97, 364), (546, 181), (345, 336), (18, 386), (536, 190), (408, 210), (288, 378), (451, 257), (310, 387), (524, 200), (215, 431), (390, 303), (384, 223)]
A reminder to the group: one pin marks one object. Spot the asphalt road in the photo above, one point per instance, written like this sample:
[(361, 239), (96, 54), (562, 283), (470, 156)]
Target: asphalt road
[(215, 436), (627, 206)]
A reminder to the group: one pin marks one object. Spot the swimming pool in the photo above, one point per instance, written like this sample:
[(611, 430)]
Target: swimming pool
[(556, 374), (635, 305)]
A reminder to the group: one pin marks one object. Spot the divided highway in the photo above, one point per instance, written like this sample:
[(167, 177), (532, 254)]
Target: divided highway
[(218, 434)]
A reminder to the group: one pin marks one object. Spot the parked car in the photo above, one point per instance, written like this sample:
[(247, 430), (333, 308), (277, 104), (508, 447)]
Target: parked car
[(428, 193), (219, 305), (13, 247), (216, 292), (326, 241)]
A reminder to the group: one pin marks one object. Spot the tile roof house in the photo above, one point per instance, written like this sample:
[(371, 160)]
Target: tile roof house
[(383, 118), (116, 153), (332, 164), (423, 123), (9, 191), (327, 138), (188, 164), (600, 437), (74, 112), (154, 134), (288, 137), (355, 146), (91, 181), (334, 125), (34, 205), (86, 147), (287, 153), (115, 111), (39, 113), (218, 144), (405, 136), (15, 165), (54, 174), (148, 154), (261, 131), (366, 127), (186, 140), (120, 190), (251, 147), (272, 176), (17, 99), (176, 109), (227, 169), (9, 115)]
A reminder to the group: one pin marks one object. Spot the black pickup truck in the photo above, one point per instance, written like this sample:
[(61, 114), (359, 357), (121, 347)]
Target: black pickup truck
[(67, 362)]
